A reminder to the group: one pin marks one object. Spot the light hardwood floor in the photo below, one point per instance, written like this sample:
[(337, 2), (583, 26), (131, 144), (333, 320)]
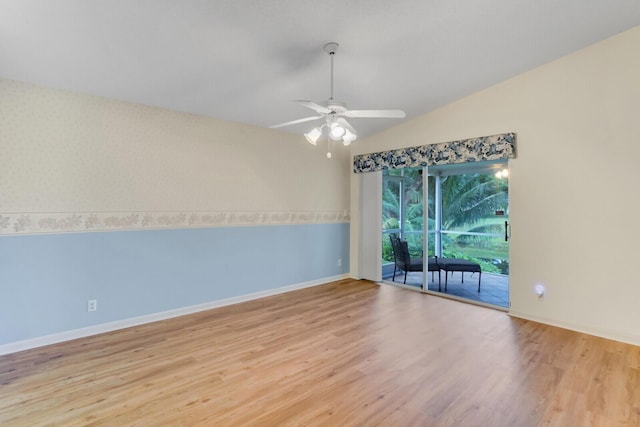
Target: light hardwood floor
[(342, 354)]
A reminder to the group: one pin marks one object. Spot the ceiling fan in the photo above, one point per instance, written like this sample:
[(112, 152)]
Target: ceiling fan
[(334, 113)]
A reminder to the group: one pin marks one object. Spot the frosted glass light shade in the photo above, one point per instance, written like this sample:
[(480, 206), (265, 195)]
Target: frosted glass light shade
[(348, 137), (337, 131), (313, 135)]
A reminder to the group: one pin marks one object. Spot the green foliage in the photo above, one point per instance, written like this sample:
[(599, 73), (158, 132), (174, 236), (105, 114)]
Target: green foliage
[(387, 250), (469, 199), (469, 203)]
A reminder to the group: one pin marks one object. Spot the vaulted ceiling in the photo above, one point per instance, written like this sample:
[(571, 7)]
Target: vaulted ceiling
[(247, 60)]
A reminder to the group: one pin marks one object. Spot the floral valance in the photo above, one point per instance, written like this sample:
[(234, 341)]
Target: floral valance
[(492, 147)]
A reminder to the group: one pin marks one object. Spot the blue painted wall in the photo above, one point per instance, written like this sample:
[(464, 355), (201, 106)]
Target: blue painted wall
[(46, 280)]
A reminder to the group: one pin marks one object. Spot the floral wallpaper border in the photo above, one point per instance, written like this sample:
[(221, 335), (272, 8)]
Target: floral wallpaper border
[(63, 222), (493, 147)]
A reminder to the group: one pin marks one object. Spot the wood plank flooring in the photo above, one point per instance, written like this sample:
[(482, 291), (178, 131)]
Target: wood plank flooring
[(343, 354)]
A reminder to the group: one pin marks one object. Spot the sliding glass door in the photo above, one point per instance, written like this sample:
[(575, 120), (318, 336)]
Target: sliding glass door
[(402, 217), (467, 214), (471, 220)]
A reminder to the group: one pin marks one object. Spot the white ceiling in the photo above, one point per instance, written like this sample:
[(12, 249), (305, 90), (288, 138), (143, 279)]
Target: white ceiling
[(246, 60)]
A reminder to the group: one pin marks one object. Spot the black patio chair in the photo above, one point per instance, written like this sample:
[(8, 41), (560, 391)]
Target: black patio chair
[(404, 262)]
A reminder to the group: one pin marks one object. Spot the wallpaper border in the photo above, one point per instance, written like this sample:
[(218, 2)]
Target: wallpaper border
[(74, 222)]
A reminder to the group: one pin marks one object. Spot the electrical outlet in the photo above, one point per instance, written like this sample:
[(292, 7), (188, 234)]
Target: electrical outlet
[(339, 262), (92, 305)]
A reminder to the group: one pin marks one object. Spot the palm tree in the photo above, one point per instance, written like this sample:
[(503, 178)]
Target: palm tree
[(466, 199), (469, 204)]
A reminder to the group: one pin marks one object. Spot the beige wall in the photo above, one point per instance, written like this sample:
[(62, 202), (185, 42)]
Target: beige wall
[(71, 165), (574, 198), (65, 156)]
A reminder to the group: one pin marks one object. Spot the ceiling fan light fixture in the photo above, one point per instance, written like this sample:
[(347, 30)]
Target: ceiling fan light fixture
[(335, 114), (313, 135), (337, 131), (348, 137)]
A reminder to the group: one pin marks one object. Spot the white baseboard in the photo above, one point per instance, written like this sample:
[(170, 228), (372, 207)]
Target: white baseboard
[(633, 340), (154, 317)]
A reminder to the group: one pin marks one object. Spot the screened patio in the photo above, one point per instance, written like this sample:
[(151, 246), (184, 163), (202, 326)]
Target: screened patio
[(494, 287)]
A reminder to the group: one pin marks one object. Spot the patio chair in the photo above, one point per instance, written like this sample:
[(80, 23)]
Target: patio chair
[(403, 260)]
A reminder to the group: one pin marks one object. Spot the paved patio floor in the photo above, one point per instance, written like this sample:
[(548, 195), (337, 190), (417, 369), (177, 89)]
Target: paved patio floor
[(494, 288)]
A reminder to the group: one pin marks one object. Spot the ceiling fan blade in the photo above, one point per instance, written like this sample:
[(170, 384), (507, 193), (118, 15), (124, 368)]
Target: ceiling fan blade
[(313, 106), (391, 114), (293, 122)]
